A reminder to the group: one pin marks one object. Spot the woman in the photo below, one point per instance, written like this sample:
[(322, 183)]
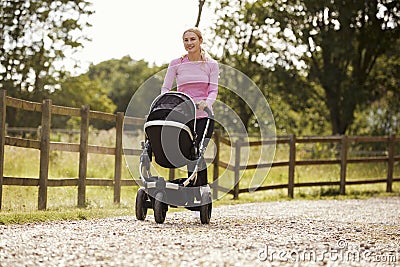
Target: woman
[(196, 75)]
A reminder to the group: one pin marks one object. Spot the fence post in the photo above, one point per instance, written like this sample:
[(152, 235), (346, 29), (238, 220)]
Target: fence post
[(83, 153), (216, 164), (44, 154), (343, 164), (238, 144), (292, 164), (118, 157), (389, 182), (3, 133)]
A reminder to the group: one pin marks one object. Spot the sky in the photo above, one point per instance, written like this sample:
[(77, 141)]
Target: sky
[(144, 29)]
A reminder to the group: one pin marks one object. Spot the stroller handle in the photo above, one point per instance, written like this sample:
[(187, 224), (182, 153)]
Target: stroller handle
[(208, 111)]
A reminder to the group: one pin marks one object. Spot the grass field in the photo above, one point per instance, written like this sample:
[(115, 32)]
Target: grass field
[(20, 203)]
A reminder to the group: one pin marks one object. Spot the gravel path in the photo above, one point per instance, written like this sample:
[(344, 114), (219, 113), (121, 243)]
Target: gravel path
[(289, 233)]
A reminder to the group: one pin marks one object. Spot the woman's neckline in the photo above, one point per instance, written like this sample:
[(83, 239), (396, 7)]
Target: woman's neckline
[(193, 62)]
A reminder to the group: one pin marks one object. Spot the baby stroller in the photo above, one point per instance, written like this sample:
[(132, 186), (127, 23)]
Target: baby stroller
[(170, 136)]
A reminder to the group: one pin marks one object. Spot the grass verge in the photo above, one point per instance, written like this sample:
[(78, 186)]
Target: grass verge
[(95, 212)]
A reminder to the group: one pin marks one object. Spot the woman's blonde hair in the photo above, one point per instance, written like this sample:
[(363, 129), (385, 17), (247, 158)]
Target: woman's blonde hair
[(197, 31)]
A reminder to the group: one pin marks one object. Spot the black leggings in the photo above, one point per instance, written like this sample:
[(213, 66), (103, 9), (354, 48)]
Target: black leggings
[(200, 127)]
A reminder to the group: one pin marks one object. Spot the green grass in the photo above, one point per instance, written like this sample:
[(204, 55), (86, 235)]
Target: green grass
[(19, 204), (22, 217)]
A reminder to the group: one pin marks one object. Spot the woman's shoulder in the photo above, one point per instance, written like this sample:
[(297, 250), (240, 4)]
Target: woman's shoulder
[(211, 60), (177, 61), (212, 63)]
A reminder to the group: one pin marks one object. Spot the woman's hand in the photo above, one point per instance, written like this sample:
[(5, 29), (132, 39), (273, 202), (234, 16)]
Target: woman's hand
[(202, 104)]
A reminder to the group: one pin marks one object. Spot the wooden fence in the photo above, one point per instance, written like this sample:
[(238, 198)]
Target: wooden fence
[(44, 145), (341, 142)]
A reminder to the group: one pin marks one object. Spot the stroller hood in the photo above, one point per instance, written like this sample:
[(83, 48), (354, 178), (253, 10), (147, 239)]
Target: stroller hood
[(173, 106)]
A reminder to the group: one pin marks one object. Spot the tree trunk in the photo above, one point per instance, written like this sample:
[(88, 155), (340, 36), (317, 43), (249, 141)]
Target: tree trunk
[(201, 4)]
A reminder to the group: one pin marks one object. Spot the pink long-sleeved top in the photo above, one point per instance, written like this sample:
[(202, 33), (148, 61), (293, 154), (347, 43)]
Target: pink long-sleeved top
[(199, 80)]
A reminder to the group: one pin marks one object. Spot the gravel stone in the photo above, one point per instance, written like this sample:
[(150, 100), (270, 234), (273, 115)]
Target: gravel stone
[(288, 233)]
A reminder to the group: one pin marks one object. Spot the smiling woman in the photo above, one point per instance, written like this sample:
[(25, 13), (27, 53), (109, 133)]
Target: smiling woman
[(196, 75)]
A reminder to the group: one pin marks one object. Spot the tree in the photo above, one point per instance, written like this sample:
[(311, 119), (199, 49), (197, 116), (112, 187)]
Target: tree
[(121, 77), (382, 117), (78, 91), (334, 44), (287, 92), (34, 37)]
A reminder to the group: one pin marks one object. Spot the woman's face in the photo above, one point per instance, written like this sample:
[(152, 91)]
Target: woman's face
[(191, 42)]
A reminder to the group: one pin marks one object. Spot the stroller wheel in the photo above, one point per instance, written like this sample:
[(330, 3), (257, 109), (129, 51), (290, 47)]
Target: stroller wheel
[(206, 208), (140, 207), (160, 209)]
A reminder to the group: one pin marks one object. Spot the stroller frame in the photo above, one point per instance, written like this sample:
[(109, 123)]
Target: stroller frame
[(155, 192)]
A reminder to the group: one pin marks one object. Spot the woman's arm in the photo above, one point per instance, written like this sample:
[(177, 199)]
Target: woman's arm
[(213, 85), (169, 77)]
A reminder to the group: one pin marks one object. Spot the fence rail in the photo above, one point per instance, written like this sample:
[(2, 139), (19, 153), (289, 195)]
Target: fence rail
[(45, 146)]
